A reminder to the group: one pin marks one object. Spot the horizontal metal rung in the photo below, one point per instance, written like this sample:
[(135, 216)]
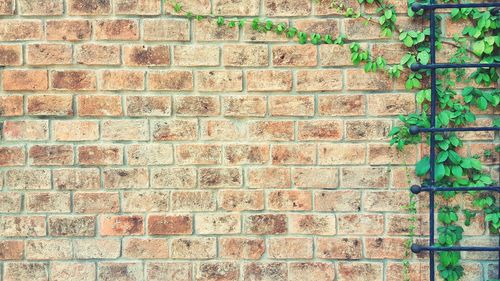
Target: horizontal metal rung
[(416, 189), (417, 6), (415, 129), (420, 248), (418, 66)]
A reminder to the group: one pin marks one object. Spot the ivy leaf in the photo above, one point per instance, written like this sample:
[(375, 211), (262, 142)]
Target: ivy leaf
[(424, 57), (478, 48), (457, 171), (423, 166), (439, 172), (482, 103), (408, 41)]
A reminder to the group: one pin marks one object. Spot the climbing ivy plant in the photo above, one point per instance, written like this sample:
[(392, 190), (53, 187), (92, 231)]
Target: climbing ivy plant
[(477, 42)]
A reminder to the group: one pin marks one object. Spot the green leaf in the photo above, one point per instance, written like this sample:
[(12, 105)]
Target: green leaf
[(423, 166), (439, 172), (482, 103), (408, 41), (478, 48)]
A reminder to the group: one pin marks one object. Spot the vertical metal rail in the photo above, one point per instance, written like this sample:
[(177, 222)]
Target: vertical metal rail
[(432, 189)]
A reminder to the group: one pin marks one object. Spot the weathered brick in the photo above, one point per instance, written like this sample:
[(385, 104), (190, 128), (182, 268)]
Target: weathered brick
[(222, 271), (175, 130), (290, 200), (338, 200), (311, 271), (93, 105), (50, 105), (244, 106), (23, 226), (26, 271), (96, 202), (149, 154), (72, 226), (265, 271), (74, 130), (320, 130), (236, 7), (218, 223), (360, 271), (11, 55), (293, 154), (76, 179), (148, 105), (11, 156), (141, 55), (361, 224), (251, 35), (385, 248), (194, 248), (197, 106), (49, 54), (262, 224), (208, 31), (219, 81), (193, 201), (198, 154), (121, 225), (384, 154), (365, 177), (312, 224), (125, 178), (49, 249), (166, 30), (73, 80), (11, 250), (175, 271), (25, 80), (137, 7), (96, 155), (10, 202), (181, 178), (239, 200), (28, 179), (291, 105), (245, 55), (295, 55), (50, 155), (359, 80), (125, 130), (339, 248), (335, 55), (145, 248), (7, 7), (341, 105), (109, 271), (74, 271), (269, 177), (170, 80), (11, 105), (170, 224), (290, 248), (241, 248), (238, 154), (68, 30), (145, 201), (97, 54), (222, 130), (203, 55), (198, 7), (367, 129), (284, 8), (269, 80), (319, 80), (89, 7), (308, 177), (25, 130), (50, 202), (385, 201), (119, 29), (20, 30), (319, 26), (96, 248)]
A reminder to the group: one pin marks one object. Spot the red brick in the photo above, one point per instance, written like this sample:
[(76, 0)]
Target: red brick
[(341, 105), (269, 81), (145, 248), (11, 55), (361, 224), (170, 80), (50, 105), (245, 55), (96, 202), (175, 130), (88, 7), (96, 54), (269, 177), (74, 130), (166, 30), (51, 155), (11, 250), (293, 154), (383, 154), (25, 80), (295, 55), (241, 248), (240, 200), (290, 200), (119, 29), (203, 55), (100, 155), (7, 7), (339, 248), (11, 105), (290, 248), (285, 8), (11, 156), (170, 224), (49, 54), (20, 30), (122, 225), (79, 80), (141, 55), (137, 7), (291, 105), (335, 55), (385, 201), (76, 179), (124, 178), (359, 80), (220, 81), (25, 130), (68, 30), (368, 130), (263, 224), (93, 105)]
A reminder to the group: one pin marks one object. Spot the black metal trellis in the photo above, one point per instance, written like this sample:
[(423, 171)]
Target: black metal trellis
[(432, 188)]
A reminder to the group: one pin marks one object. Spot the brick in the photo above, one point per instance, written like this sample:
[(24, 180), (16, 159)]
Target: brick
[(7, 7), (238, 154), (319, 26), (141, 248), (244, 106), (312, 224), (319, 80), (341, 105), (367, 129), (283, 8), (170, 224), (311, 271), (385, 248), (208, 31), (26, 271), (359, 80), (219, 81), (265, 271), (125, 178), (49, 202), (49, 54), (121, 225), (149, 154), (170, 80), (220, 178), (223, 271), (23, 226), (148, 105), (262, 224), (365, 177), (92, 105), (175, 271), (109, 271), (222, 130), (484, 135), (217, 224), (50, 105), (20, 30), (194, 248), (137, 7), (86, 7), (360, 29), (385, 201), (76, 179), (269, 81), (27, 179), (251, 35), (197, 106), (125, 130), (96, 155), (391, 52), (269, 177), (25, 80), (96, 248), (11, 156), (341, 154), (72, 226), (335, 55), (11, 105), (181, 178), (308, 177), (338, 201), (166, 30), (290, 248), (11, 55), (361, 224), (10, 202), (11, 250), (141, 55), (175, 130), (193, 201), (25, 130), (245, 55), (49, 249), (97, 54), (203, 55), (339, 248), (198, 154), (119, 29), (294, 55), (74, 271), (293, 154), (360, 271), (198, 7), (383, 154), (236, 7), (50, 155), (271, 130), (399, 224), (145, 201), (74, 130), (320, 130), (241, 248), (290, 200), (291, 105), (239, 200), (74, 80), (96, 202), (68, 30)]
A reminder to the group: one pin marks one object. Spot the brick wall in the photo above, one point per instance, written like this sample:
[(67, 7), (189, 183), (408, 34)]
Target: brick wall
[(140, 146)]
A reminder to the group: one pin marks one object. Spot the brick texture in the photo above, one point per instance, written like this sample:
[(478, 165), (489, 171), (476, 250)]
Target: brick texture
[(141, 146)]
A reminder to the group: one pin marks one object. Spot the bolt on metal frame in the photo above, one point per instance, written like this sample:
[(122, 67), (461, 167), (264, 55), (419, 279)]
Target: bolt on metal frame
[(432, 188)]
